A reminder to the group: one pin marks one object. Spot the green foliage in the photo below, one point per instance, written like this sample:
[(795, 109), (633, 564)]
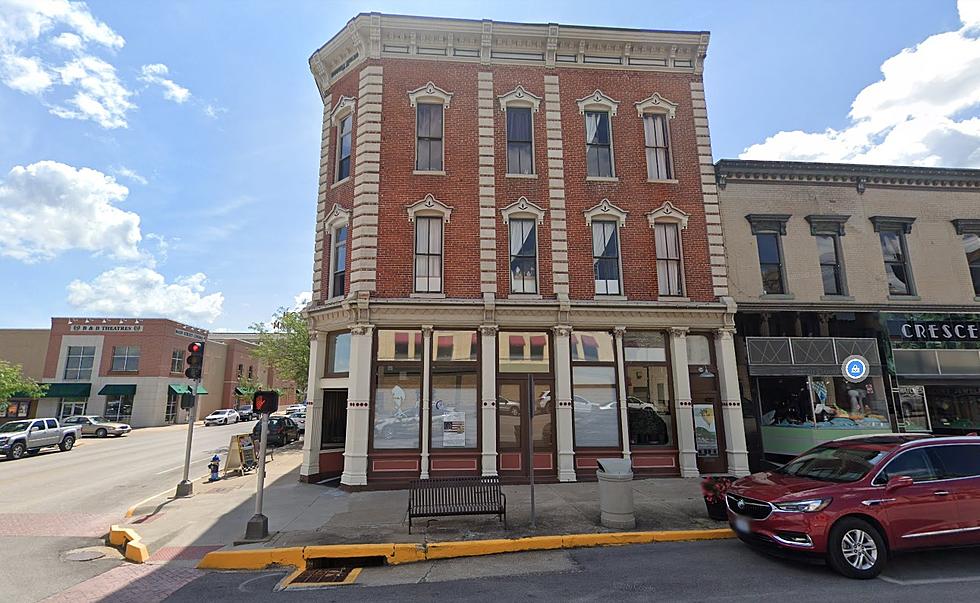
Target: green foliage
[(14, 383), (285, 347), (248, 387)]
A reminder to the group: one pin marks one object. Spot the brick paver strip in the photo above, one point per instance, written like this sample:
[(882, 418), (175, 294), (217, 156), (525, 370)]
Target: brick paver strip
[(130, 584), (54, 524), (170, 553)]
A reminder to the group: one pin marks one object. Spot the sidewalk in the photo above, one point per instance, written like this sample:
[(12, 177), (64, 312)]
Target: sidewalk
[(184, 530)]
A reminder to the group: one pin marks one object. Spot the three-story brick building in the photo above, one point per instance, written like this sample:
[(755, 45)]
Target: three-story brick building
[(518, 255)]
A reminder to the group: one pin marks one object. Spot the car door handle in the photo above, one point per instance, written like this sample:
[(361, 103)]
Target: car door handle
[(941, 493)]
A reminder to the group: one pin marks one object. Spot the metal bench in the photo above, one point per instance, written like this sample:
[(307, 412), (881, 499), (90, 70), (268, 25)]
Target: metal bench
[(444, 497)]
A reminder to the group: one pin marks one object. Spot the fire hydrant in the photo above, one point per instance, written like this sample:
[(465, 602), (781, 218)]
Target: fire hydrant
[(214, 465)]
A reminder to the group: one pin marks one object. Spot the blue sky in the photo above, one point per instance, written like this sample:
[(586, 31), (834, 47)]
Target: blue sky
[(160, 158)]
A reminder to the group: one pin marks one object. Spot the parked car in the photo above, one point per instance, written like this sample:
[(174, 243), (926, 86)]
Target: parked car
[(245, 412), (295, 408), (300, 419), (510, 407), (282, 430), (18, 438), (855, 501), (98, 426), (222, 416)]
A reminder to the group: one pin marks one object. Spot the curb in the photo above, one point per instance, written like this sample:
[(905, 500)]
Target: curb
[(133, 547), (398, 553)]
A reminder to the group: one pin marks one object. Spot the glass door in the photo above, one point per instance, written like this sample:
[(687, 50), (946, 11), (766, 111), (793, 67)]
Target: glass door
[(525, 421)]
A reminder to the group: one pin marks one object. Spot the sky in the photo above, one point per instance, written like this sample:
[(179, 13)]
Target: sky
[(161, 158)]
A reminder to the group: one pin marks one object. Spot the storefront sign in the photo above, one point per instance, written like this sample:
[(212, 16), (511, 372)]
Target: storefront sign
[(107, 328), (933, 328), (855, 368), (184, 333), (454, 429)]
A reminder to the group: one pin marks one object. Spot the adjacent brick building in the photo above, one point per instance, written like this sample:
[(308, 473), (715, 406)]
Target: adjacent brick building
[(516, 216)]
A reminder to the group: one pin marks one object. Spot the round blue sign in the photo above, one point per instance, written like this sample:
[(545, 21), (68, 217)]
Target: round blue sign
[(855, 368)]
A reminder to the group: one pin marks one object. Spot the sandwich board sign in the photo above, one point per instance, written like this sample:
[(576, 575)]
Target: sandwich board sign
[(241, 454)]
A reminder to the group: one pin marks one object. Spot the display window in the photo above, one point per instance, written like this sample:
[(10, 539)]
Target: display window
[(397, 402), (954, 408), (648, 399), (595, 403), (454, 408)]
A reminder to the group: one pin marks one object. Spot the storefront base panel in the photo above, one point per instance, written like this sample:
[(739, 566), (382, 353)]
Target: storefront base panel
[(454, 465), (331, 465), (659, 463), (586, 462)]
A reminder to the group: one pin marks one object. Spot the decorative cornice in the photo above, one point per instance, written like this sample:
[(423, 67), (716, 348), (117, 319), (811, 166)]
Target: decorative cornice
[(344, 106), (826, 224), (597, 100), (519, 97), (668, 213), (522, 208), (892, 223), (429, 206), (656, 104), (429, 92), (967, 226), (768, 223), (605, 209), (859, 176)]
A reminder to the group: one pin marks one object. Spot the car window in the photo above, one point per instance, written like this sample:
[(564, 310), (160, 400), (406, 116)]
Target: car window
[(52, 424), (71, 421), (833, 463), (38, 425), (956, 460), (913, 463)]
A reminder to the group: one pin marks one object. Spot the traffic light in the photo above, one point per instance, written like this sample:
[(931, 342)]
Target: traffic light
[(265, 402), (195, 360)]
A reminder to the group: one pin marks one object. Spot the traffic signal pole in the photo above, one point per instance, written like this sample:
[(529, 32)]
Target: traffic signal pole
[(258, 526), (186, 487)]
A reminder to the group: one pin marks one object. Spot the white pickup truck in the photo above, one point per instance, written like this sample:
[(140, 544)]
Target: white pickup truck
[(29, 436)]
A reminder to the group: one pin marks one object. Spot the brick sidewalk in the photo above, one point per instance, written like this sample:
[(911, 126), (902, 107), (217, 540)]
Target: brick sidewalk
[(130, 584)]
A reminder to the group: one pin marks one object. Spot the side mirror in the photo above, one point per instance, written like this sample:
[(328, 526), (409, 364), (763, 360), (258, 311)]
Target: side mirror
[(899, 481), (35, 428)]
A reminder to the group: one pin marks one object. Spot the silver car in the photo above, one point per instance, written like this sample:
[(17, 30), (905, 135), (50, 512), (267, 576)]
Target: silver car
[(98, 426)]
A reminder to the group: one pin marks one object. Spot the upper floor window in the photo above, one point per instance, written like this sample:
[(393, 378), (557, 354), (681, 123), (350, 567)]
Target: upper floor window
[(241, 370), (520, 150), (827, 231), (177, 361), (428, 254), (344, 140), (969, 231), (338, 269), (523, 256), (79, 362), (598, 141), (768, 230), (126, 358), (428, 144), (657, 147), (894, 249), (605, 257), (668, 239), (251, 372)]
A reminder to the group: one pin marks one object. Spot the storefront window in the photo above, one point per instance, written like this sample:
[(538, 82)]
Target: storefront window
[(16, 409), (399, 345), (644, 346), (523, 353), (397, 402), (454, 346), (594, 406), (912, 399), (454, 404), (338, 353), (648, 405), (119, 408), (954, 409), (839, 404), (594, 346)]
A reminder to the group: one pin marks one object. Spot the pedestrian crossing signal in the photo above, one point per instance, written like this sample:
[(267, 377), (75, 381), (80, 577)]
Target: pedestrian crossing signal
[(265, 402), (195, 360)]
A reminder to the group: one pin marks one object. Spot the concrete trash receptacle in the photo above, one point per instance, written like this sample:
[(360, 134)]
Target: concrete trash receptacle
[(616, 494)]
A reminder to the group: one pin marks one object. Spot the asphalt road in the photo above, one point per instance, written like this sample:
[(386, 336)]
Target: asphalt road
[(692, 571), (59, 501)]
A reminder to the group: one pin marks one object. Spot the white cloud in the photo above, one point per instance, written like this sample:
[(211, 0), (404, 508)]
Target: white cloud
[(48, 208), (140, 291), (68, 41), (25, 74), (154, 74), (301, 300), (129, 174), (924, 110), (214, 111), (99, 96), (23, 21)]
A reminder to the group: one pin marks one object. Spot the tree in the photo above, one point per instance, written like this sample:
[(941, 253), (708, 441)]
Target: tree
[(13, 382), (247, 387), (286, 346)]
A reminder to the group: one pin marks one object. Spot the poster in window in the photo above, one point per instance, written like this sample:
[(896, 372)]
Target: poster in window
[(453, 429), (705, 430), (912, 399)]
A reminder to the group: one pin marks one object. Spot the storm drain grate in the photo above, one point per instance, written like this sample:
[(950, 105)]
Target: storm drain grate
[(323, 576), (332, 571)]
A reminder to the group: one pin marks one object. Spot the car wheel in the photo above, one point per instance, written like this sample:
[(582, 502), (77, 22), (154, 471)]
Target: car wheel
[(16, 451), (101, 432), (856, 549), (67, 443)]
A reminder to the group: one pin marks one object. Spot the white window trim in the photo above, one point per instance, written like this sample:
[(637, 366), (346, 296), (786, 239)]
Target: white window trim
[(667, 213), (434, 95), (658, 105), (522, 209), (338, 218), (598, 101), (519, 97), (606, 210), (429, 207), (344, 107)]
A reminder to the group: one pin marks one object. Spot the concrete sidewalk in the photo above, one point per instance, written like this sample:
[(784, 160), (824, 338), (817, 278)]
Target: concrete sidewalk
[(184, 530)]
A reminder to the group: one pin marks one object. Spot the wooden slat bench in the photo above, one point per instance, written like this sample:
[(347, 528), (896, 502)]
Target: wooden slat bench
[(444, 497)]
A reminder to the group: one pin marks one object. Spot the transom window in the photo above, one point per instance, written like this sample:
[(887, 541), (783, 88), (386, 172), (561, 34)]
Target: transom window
[(177, 361), (520, 154), (79, 361), (605, 257), (598, 141), (344, 139), (523, 256), (668, 240), (428, 254), (657, 146), (126, 358), (429, 133)]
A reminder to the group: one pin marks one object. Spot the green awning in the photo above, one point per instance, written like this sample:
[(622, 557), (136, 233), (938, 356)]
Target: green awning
[(69, 390), (118, 390), (240, 392), (180, 389)]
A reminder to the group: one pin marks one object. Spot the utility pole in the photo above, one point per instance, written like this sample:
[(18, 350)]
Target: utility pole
[(195, 365)]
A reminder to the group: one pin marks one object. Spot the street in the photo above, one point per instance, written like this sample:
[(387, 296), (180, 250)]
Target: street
[(60, 501)]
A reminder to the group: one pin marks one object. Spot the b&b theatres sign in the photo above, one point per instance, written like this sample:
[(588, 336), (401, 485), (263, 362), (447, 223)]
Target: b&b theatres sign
[(933, 328)]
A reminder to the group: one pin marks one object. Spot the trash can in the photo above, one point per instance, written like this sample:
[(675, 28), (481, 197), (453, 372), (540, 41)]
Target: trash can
[(616, 494)]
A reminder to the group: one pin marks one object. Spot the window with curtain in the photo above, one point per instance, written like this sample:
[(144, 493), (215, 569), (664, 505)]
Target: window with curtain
[(668, 239), (523, 256), (657, 146), (344, 131), (828, 248), (428, 143), (428, 255), (598, 141), (520, 155), (605, 257), (339, 268), (770, 262), (971, 245), (896, 262)]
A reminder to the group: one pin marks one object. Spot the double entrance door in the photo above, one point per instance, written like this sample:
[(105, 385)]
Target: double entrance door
[(526, 427)]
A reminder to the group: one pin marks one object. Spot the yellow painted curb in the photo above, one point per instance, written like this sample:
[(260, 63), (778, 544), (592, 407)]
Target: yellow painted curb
[(253, 559), (130, 542), (137, 552)]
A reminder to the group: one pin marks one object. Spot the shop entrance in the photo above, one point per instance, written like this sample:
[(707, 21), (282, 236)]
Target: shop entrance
[(526, 423)]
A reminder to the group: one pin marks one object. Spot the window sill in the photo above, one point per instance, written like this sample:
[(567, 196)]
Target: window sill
[(904, 298), (665, 181), (520, 296), (428, 172), (673, 298), (526, 176), (610, 298), (339, 182), (837, 297), (777, 296), (601, 179), (428, 295)]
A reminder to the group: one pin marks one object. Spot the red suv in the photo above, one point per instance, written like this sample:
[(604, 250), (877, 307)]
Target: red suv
[(856, 500)]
